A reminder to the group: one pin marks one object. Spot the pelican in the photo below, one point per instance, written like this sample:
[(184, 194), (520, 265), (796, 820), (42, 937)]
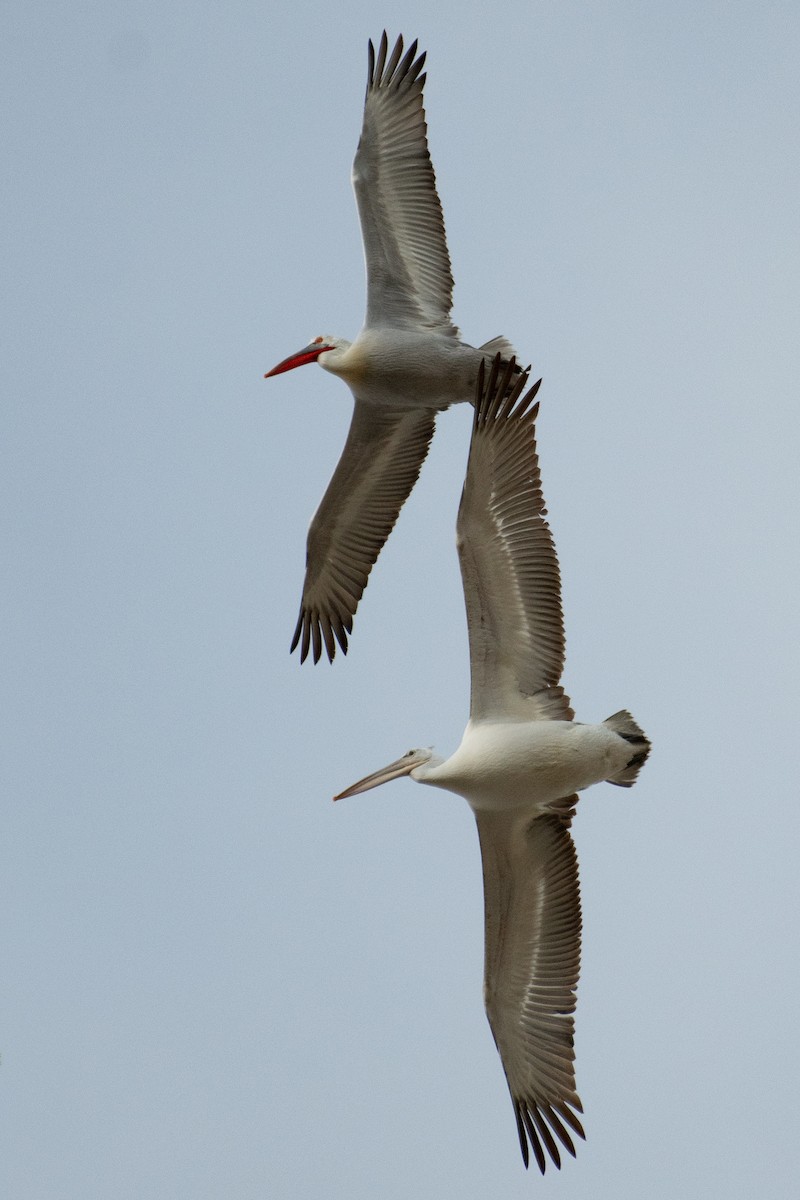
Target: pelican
[(521, 763), (406, 364)]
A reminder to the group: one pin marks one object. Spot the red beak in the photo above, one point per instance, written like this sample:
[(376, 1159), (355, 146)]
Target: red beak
[(308, 354)]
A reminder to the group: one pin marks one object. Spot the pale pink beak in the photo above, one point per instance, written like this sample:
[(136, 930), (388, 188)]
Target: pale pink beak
[(403, 766)]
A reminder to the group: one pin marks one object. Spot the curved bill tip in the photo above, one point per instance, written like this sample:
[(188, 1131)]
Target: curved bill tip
[(402, 766)]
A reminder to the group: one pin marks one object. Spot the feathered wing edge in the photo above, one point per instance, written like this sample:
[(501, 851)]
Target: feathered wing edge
[(409, 276), (380, 464), (509, 565), (532, 963)]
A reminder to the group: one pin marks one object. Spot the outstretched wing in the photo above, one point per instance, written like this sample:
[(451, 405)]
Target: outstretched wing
[(533, 930), (409, 281), (509, 567), (379, 466)]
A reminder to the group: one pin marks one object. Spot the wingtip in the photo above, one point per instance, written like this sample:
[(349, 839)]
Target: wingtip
[(377, 62), (536, 1124), (500, 396), (393, 67), (523, 1141), (313, 633), (533, 1138)]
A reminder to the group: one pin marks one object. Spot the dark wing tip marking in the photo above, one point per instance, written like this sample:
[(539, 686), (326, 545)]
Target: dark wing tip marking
[(315, 628), (393, 73), (535, 1121), (496, 397)]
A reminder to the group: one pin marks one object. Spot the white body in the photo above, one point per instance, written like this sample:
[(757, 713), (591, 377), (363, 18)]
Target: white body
[(406, 368), (530, 766)]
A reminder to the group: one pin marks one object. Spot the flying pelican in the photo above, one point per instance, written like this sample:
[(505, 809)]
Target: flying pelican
[(407, 363), (522, 760)]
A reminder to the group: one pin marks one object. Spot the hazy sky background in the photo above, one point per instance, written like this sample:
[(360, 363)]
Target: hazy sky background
[(216, 983)]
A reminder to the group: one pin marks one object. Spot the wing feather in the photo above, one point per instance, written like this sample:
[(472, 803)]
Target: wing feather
[(509, 567), (409, 280), (380, 464), (532, 962)]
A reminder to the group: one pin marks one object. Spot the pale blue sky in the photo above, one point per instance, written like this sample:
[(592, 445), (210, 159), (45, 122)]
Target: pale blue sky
[(216, 982)]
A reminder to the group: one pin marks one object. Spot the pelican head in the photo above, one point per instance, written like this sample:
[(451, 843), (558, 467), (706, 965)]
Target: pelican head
[(309, 354), (407, 765)]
